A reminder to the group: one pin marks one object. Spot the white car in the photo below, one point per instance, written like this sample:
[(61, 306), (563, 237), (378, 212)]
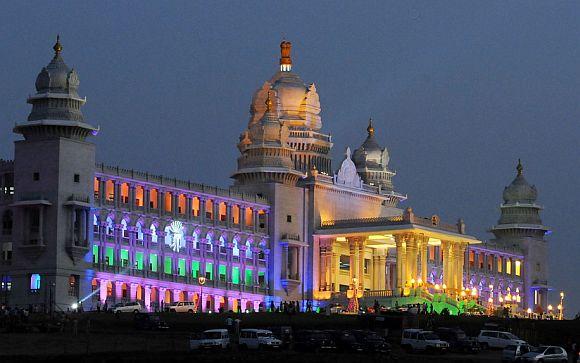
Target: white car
[(211, 339), (128, 307), (258, 338), (422, 340), (497, 339), (546, 354), (182, 307)]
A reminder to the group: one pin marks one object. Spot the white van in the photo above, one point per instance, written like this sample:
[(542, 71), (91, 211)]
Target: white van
[(422, 340), (182, 307), (211, 339), (258, 338), (497, 339), (128, 307)]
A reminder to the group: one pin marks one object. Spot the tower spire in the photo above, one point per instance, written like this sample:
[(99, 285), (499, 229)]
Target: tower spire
[(57, 46), (520, 168), (285, 59), (268, 103), (370, 128)]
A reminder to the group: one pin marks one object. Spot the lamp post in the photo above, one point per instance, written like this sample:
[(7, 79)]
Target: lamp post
[(201, 281), (561, 306)]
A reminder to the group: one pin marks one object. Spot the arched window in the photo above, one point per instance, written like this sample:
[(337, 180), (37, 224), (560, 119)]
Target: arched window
[(209, 242), (181, 203), (222, 245), (124, 193), (95, 223), (139, 228), (109, 228), (139, 196), (153, 230), (124, 232), (168, 237), (195, 239), (248, 249), (235, 249), (34, 282)]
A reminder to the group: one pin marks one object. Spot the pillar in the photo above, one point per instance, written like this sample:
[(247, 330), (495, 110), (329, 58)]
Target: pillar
[(446, 264), (401, 256), (103, 290), (361, 265), (424, 258), (147, 292)]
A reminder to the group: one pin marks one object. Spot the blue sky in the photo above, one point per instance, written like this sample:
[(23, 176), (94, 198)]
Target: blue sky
[(458, 90)]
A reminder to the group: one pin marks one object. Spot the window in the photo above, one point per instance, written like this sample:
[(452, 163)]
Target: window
[(344, 262), (195, 240), (109, 227), (167, 265), (153, 231), (124, 232), (124, 258), (6, 251), (289, 218), (342, 288), (249, 216), (508, 266), (34, 282), (96, 188), (261, 278), (481, 260), (153, 262), (248, 280), (209, 270), (490, 262), (153, 195), (125, 193), (248, 249), (195, 206), (139, 261), (235, 249), (168, 202), (139, 228), (95, 254), (195, 269), (7, 223), (222, 272), (77, 178), (471, 259), (36, 176), (518, 265), (367, 264), (262, 219), (73, 285), (222, 246), (110, 190), (181, 267), (222, 209), (499, 264), (110, 256), (139, 196), (181, 202), (236, 275), (209, 209), (431, 252), (236, 214), (6, 283)]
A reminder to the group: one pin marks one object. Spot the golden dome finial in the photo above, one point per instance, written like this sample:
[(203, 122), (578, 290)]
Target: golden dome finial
[(285, 59), (370, 128), (268, 103), (57, 46), (520, 168)]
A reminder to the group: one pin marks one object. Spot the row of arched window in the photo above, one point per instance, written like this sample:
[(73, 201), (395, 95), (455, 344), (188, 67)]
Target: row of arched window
[(169, 235)]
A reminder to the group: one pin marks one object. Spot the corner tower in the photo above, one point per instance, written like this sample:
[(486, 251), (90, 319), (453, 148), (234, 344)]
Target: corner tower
[(53, 175), (520, 227)]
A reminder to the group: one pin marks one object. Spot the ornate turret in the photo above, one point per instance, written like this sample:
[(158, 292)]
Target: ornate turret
[(56, 106), (297, 105), (372, 162), (266, 156), (520, 215)]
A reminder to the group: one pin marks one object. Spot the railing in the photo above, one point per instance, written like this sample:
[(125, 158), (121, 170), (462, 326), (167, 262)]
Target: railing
[(378, 293), (387, 221), (291, 236)]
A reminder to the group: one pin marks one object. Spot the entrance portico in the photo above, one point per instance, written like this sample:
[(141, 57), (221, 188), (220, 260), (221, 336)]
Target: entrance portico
[(389, 256)]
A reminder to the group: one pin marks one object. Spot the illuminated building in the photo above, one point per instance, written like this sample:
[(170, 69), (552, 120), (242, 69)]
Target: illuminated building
[(291, 228)]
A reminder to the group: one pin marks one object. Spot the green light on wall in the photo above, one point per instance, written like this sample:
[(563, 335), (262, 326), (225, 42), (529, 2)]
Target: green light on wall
[(209, 271), (181, 266), (249, 277), (167, 265), (139, 260), (236, 275), (195, 269), (95, 254), (110, 256), (153, 262)]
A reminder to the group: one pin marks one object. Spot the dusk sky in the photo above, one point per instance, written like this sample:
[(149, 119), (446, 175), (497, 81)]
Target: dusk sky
[(458, 91)]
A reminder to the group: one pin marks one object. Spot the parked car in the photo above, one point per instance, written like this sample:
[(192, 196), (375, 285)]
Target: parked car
[(497, 339), (513, 353), (422, 340), (210, 339), (149, 322), (182, 307), (345, 341), (128, 307), (546, 354), (284, 333), (258, 339), (371, 341), (313, 340), (458, 340)]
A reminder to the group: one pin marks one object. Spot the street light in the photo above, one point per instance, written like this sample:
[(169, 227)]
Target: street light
[(561, 306), (201, 281)]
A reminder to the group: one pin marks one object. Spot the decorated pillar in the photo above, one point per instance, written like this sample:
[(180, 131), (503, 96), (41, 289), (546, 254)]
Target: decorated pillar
[(401, 256), (361, 264)]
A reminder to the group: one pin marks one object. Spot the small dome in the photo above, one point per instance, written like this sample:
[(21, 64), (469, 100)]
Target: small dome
[(520, 190), (370, 154), (269, 130), (57, 77)]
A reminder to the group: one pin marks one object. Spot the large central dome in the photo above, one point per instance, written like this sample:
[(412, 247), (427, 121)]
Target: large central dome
[(298, 105)]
